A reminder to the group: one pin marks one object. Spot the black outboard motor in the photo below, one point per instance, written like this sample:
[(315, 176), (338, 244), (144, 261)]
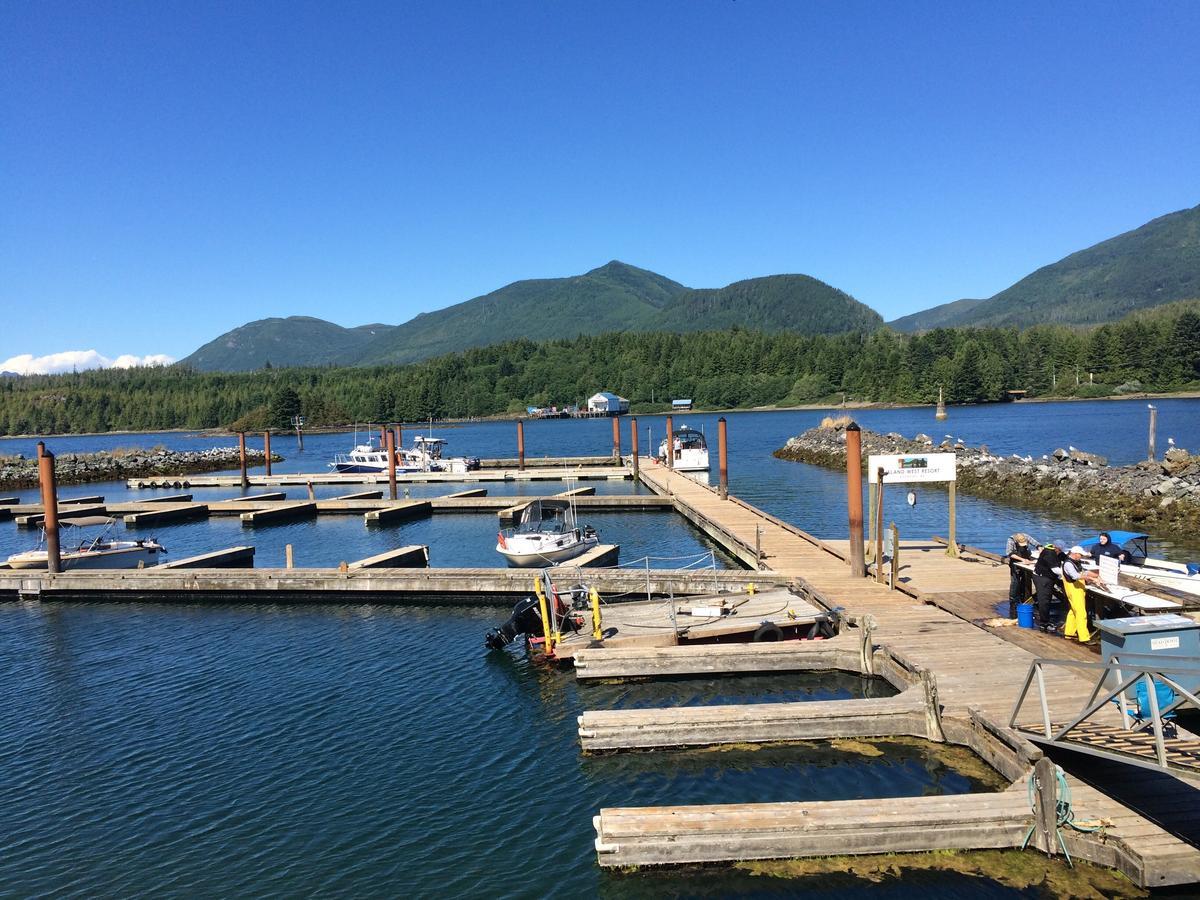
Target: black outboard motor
[(525, 619)]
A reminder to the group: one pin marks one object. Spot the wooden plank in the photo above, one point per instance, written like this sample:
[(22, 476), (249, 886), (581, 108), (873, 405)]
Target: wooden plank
[(230, 558), (398, 512), (361, 495), (598, 556), (173, 512), (169, 498), (267, 497), (415, 556), (279, 513), (71, 501), (471, 492)]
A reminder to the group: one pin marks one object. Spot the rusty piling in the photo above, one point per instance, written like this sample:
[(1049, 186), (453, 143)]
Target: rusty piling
[(520, 445), (267, 448), (854, 498), (390, 445), (670, 444), (616, 422), (723, 457), (242, 458), (49, 508), (633, 446)]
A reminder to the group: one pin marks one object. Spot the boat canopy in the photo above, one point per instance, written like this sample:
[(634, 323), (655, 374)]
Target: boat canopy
[(690, 437), (1133, 541), (87, 521), (539, 511)]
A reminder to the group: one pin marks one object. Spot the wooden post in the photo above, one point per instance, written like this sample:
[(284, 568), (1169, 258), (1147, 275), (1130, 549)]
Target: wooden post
[(267, 448), (383, 440), (520, 444), (878, 526), (866, 646), (952, 545), (399, 429), (312, 495), (1045, 808), (757, 547), (933, 708), (616, 422), (895, 564), (670, 444), (287, 553), (49, 508), (854, 497), (723, 457), (242, 458), (1153, 428), (390, 447), (633, 445)]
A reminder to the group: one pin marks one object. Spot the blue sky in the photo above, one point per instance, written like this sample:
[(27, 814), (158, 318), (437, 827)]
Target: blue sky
[(170, 170)]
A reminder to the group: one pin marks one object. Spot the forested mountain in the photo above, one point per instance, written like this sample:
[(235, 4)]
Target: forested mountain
[(1151, 265), (294, 341), (1153, 350), (614, 297)]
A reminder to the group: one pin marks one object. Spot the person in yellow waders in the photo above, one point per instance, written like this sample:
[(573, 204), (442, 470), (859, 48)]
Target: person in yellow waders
[(1075, 582)]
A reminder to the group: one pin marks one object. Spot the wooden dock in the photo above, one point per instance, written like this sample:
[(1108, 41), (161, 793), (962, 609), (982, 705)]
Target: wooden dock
[(976, 672), (544, 470)]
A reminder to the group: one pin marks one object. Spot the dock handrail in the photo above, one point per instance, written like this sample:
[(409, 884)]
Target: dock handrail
[(1125, 672)]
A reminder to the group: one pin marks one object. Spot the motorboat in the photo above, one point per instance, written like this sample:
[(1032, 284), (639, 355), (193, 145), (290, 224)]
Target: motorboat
[(1138, 562), (546, 534), (100, 552), (428, 454), (689, 450), (363, 458)]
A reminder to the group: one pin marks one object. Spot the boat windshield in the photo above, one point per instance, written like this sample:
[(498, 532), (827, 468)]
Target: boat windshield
[(690, 440), (545, 518)]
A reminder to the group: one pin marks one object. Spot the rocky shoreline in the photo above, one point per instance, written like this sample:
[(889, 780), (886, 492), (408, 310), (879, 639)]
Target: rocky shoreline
[(1161, 496), (82, 468)]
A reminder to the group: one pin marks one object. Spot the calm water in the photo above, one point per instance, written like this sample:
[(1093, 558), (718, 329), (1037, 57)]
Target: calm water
[(234, 751), (375, 751)]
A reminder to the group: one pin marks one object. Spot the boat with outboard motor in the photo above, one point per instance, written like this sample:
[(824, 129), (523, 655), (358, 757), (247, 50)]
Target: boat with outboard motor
[(689, 450), (428, 454), (546, 534), (1132, 550), (99, 552)]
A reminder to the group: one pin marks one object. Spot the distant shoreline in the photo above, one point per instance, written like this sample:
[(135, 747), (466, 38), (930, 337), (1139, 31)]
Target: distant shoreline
[(849, 405)]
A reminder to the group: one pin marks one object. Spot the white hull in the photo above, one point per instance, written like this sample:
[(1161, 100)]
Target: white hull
[(1169, 575), (524, 553), (119, 558)]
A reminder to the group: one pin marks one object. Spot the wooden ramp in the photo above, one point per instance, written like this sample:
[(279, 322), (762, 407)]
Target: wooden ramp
[(1112, 740), (732, 832)]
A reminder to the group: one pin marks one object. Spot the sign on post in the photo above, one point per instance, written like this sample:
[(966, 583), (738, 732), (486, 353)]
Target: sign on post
[(911, 467), (907, 468)]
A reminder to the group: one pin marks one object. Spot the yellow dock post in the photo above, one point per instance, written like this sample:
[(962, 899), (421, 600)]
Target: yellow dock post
[(597, 632), (547, 639)]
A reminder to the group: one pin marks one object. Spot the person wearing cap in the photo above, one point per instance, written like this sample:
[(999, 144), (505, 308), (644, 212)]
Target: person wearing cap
[(1018, 550), (1045, 573), (1075, 582)]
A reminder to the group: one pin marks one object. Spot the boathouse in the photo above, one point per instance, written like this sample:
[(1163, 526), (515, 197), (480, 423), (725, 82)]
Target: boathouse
[(607, 404)]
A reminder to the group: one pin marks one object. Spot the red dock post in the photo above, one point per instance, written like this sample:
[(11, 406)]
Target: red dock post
[(242, 458), (723, 457), (854, 498), (633, 445), (49, 508), (616, 438), (267, 448), (390, 444), (670, 445), (520, 445)]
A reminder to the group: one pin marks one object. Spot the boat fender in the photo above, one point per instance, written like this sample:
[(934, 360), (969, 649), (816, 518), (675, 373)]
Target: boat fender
[(768, 631)]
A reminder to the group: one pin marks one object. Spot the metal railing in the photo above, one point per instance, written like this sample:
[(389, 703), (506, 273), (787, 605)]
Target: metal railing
[(1115, 680)]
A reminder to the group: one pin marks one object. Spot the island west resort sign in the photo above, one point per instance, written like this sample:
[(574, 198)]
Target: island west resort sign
[(911, 467)]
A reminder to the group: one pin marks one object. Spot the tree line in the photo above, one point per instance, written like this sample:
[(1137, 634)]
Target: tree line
[(1157, 350)]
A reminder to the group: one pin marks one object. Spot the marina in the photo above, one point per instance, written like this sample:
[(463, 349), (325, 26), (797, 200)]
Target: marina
[(789, 606)]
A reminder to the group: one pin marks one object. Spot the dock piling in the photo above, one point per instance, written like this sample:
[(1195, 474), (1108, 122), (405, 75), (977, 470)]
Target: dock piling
[(242, 459), (289, 559), (520, 445), (854, 498), (723, 457), (267, 449), (633, 445), (616, 423), (877, 526), (49, 507), (390, 444), (1153, 428), (670, 445), (312, 495), (399, 429)]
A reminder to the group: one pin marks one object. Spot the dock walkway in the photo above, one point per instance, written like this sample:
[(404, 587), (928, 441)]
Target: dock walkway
[(973, 668)]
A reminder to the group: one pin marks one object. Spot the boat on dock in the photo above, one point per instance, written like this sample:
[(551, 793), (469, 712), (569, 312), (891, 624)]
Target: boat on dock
[(1137, 562), (98, 552), (689, 449), (547, 533), (428, 454)]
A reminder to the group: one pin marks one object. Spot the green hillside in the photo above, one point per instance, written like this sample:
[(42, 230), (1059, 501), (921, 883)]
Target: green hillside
[(1151, 265), (774, 303), (294, 341), (614, 297)]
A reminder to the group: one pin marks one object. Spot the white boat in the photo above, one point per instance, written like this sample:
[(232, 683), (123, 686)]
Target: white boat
[(428, 454), (1138, 563), (689, 450), (546, 534), (78, 552)]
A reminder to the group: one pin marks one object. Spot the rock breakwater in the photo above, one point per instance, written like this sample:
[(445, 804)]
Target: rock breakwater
[(1162, 496), (82, 468)]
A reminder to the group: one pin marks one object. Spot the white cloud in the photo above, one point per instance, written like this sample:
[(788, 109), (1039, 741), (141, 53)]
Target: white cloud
[(70, 360)]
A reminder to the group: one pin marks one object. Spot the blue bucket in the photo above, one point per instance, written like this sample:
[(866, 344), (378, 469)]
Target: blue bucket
[(1025, 615)]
